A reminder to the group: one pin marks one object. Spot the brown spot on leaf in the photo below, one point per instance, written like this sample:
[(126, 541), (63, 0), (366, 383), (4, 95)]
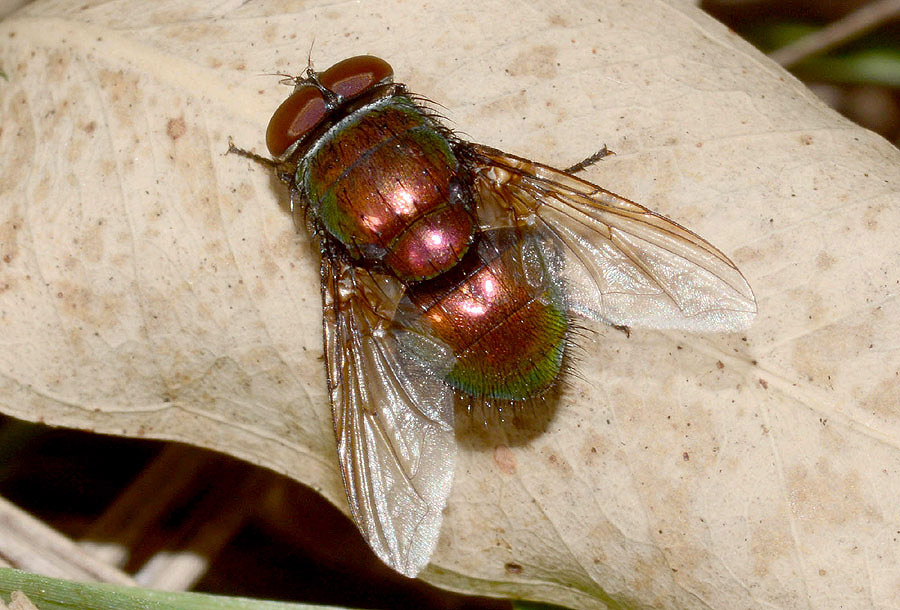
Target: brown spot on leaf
[(176, 128), (9, 235), (883, 397), (539, 61), (824, 261), (505, 459), (558, 20), (829, 493), (769, 542)]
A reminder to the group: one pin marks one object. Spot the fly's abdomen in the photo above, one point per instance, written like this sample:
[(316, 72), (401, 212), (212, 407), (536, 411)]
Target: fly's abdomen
[(500, 315), (385, 183)]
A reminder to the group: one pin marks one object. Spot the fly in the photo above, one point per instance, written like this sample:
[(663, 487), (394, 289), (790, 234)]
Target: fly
[(452, 269)]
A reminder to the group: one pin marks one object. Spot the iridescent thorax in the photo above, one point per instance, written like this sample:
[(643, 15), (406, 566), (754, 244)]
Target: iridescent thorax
[(384, 182)]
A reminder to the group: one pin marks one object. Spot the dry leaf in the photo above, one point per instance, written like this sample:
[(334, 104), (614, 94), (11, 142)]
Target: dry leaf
[(151, 286)]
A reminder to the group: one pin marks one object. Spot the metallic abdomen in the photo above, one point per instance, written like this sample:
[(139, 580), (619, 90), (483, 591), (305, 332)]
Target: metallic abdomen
[(500, 315)]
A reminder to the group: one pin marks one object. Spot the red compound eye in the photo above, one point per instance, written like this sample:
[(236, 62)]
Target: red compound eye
[(350, 77), (296, 117)]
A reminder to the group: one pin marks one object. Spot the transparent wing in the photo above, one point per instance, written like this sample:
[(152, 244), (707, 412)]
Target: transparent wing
[(393, 421), (622, 263)]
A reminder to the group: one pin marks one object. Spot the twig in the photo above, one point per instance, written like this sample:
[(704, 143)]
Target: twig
[(29, 544), (851, 26)]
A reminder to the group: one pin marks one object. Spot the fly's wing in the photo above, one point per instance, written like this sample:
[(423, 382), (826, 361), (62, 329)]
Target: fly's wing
[(393, 421), (621, 262)]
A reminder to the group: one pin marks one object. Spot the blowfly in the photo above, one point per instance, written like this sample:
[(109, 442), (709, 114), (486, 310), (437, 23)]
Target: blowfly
[(451, 270)]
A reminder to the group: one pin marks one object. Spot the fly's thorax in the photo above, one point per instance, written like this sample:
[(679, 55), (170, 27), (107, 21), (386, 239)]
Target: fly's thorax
[(499, 312), (385, 183)]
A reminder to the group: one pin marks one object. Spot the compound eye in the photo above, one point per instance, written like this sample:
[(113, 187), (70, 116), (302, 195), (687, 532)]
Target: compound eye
[(350, 77), (297, 116)]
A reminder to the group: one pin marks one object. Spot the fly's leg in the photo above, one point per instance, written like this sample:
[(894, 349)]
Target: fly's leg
[(234, 150), (581, 165), (624, 329), (284, 171)]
